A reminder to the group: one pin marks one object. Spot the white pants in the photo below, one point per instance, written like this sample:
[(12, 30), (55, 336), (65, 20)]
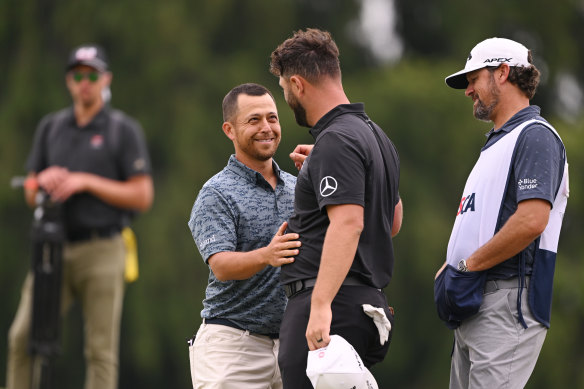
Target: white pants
[(223, 357), (492, 349)]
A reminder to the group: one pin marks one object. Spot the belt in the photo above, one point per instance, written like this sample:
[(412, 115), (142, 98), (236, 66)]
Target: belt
[(78, 235), (296, 286), (511, 283), (229, 323)]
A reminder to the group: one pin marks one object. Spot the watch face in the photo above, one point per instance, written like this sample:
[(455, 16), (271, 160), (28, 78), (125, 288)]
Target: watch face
[(462, 265)]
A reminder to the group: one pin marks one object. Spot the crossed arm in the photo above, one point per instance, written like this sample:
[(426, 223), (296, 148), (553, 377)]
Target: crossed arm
[(136, 193)]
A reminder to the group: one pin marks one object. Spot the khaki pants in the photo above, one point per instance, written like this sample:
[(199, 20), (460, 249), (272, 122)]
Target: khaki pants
[(228, 358), (93, 274), (492, 350)]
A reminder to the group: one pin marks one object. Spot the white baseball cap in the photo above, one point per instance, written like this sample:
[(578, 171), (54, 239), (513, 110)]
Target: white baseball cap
[(490, 52), (338, 366), (90, 55)]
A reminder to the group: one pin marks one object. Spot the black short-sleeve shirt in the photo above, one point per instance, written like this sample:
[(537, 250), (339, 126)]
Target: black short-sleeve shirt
[(96, 149), (346, 167)]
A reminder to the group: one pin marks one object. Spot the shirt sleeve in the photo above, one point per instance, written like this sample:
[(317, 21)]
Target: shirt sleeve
[(337, 171), (538, 164), (134, 157), (213, 223)]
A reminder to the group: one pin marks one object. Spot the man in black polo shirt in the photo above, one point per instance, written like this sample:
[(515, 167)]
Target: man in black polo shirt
[(94, 161), (347, 208)]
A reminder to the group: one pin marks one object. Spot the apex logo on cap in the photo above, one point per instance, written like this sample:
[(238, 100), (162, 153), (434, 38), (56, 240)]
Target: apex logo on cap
[(86, 53), (469, 57), (489, 60)]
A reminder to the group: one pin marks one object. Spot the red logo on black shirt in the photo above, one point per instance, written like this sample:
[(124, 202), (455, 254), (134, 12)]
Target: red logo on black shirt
[(97, 141)]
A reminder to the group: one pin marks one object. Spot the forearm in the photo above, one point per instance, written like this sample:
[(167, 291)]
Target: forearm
[(339, 248), (509, 241), (522, 228), (235, 265), (136, 193)]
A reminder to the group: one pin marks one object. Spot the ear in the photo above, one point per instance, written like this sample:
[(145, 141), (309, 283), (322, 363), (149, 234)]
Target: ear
[(502, 73), (108, 76), (298, 84), (228, 130)]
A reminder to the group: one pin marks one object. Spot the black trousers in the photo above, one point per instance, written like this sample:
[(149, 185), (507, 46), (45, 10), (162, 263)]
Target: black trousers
[(349, 321)]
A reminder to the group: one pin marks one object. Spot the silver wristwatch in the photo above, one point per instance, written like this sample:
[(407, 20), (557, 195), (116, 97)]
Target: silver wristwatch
[(462, 266)]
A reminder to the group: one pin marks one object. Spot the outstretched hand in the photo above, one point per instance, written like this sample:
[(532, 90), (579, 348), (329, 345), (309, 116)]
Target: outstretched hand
[(283, 247), (299, 155)]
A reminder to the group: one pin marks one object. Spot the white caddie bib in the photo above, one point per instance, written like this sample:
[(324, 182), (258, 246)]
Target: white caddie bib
[(483, 196)]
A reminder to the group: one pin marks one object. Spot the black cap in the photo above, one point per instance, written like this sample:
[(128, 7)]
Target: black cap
[(89, 55)]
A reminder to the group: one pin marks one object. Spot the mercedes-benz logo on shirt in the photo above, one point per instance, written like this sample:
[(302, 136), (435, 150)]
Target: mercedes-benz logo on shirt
[(328, 186)]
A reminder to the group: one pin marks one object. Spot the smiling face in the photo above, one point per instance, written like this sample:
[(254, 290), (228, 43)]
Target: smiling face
[(484, 92), (254, 129)]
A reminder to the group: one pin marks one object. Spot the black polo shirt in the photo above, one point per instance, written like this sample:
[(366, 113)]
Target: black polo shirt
[(346, 167), (60, 142)]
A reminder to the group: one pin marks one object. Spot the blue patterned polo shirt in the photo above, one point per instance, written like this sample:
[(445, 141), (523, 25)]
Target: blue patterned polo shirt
[(238, 210)]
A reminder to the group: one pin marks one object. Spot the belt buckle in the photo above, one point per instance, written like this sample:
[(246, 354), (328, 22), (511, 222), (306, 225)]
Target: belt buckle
[(299, 286), (294, 287)]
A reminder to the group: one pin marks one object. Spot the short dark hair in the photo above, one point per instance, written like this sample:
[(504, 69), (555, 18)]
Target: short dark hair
[(311, 54), (230, 99), (526, 78)]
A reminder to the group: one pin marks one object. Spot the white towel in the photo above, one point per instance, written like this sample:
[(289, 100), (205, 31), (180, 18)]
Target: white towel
[(381, 322)]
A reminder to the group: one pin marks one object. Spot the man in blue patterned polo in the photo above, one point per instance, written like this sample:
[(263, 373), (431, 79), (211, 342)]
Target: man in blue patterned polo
[(238, 222)]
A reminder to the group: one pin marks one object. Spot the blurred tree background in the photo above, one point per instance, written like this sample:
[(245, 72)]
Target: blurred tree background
[(173, 61)]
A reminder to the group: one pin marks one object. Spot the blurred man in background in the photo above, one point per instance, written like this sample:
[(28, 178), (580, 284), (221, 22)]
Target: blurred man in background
[(238, 222), (92, 159), (495, 289), (347, 208)]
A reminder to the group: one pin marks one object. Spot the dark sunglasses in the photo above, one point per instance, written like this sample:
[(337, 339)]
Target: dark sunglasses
[(91, 76)]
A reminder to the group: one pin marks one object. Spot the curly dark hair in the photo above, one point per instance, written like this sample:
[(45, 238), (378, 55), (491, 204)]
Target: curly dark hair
[(526, 78), (311, 54)]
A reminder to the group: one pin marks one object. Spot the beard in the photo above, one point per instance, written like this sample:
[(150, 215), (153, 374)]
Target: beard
[(299, 111), (481, 110)]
